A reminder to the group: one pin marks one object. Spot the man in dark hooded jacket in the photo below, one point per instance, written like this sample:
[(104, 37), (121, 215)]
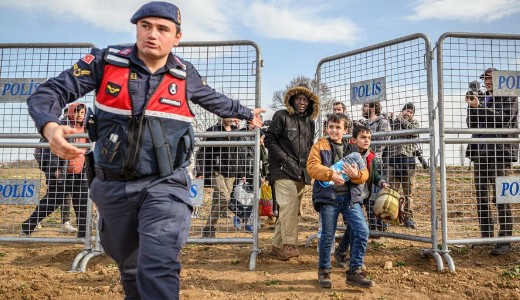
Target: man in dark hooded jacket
[(492, 160), (289, 140)]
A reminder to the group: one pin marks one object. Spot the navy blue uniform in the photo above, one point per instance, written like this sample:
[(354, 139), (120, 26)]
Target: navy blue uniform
[(145, 217)]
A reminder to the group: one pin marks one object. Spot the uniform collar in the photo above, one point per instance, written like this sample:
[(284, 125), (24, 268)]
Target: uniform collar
[(171, 62)]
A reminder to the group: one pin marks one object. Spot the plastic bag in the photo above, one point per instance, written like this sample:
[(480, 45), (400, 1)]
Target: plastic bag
[(265, 205), (242, 196)]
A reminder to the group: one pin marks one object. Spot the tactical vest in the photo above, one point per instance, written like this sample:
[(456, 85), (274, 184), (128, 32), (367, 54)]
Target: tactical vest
[(155, 143)]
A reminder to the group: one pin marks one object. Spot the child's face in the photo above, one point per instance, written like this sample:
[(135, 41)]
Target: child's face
[(363, 140), (336, 131), (80, 115)]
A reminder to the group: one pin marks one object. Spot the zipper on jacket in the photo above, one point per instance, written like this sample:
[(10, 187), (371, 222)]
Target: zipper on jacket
[(136, 132)]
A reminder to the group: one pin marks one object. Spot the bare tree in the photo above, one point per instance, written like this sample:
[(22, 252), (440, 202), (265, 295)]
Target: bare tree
[(326, 99)]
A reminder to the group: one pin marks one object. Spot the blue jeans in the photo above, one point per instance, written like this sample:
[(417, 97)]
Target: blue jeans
[(353, 213)]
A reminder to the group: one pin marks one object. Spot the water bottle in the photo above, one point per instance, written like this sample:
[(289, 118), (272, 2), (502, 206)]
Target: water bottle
[(352, 158)]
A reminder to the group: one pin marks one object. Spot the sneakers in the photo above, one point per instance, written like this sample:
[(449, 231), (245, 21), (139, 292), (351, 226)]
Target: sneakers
[(286, 252), (341, 259), (409, 223), (324, 278), (236, 222), (359, 278), (208, 232), (248, 228), (501, 249), (67, 228)]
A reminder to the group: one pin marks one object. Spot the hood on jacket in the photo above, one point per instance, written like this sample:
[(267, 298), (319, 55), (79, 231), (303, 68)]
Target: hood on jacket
[(314, 103), (71, 117)]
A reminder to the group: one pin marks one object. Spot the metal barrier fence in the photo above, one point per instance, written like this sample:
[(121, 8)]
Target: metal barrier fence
[(22, 68), (233, 68), (467, 196), (393, 73)]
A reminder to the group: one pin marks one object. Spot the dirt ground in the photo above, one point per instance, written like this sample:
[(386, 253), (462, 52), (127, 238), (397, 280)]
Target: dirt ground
[(40, 271)]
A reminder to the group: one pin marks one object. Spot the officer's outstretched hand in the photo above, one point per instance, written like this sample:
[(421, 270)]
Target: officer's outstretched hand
[(55, 134), (257, 120)]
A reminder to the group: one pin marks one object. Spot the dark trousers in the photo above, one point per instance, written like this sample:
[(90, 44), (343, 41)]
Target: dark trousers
[(143, 226), (57, 192), (485, 172)]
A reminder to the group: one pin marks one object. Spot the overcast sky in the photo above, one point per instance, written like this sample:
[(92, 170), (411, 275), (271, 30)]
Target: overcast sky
[(293, 35)]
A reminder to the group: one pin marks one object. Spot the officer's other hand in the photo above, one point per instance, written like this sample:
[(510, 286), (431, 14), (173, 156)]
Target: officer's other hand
[(55, 134), (385, 185), (257, 120)]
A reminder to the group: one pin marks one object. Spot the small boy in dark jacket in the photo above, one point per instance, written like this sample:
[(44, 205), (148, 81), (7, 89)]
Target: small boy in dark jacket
[(361, 137), (343, 197)]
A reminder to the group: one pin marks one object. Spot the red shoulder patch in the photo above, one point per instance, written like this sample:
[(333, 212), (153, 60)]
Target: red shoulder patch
[(88, 58)]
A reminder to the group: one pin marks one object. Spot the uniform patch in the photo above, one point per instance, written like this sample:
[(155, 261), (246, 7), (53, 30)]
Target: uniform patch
[(79, 72), (171, 102), (125, 51), (133, 76), (173, 89), (88, 58), (112, 89)]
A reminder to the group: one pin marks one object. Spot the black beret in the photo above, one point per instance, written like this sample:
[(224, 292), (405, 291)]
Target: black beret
[(158, 9)]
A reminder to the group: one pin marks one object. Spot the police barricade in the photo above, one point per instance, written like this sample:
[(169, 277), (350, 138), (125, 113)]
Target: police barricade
[(478, 137), (26, 182), (392, 78), (221, 159)]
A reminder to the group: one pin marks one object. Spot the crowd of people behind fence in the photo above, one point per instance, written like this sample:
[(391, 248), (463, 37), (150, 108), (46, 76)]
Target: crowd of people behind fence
[(140, 183), (289, 140)]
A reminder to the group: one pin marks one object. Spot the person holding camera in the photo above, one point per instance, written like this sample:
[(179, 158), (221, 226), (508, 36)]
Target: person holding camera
[(401, 160), (491, 160)]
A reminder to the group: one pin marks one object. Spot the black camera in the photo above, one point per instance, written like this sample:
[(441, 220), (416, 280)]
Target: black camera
[(474, 88)]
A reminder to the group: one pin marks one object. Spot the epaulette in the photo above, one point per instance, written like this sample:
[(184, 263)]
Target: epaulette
[(180, 71), (116, 55)]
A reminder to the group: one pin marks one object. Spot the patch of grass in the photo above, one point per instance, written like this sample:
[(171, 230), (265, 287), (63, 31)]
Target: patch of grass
[(333, 295), (2, 254), (400, 263), (375, 245), (461, 250), (512, 273), (235, 262), (272, 282)]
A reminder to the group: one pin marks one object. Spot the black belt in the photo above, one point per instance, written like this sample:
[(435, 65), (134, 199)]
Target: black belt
[(109, 175)]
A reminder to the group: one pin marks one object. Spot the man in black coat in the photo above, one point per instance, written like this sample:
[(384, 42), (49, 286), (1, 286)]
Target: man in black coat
[(289, 140), (491, 160)]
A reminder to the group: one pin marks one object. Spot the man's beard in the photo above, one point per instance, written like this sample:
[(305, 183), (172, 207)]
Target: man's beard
[(365, 114)]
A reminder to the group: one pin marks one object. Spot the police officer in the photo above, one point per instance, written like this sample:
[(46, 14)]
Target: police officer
[(144, 139)]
